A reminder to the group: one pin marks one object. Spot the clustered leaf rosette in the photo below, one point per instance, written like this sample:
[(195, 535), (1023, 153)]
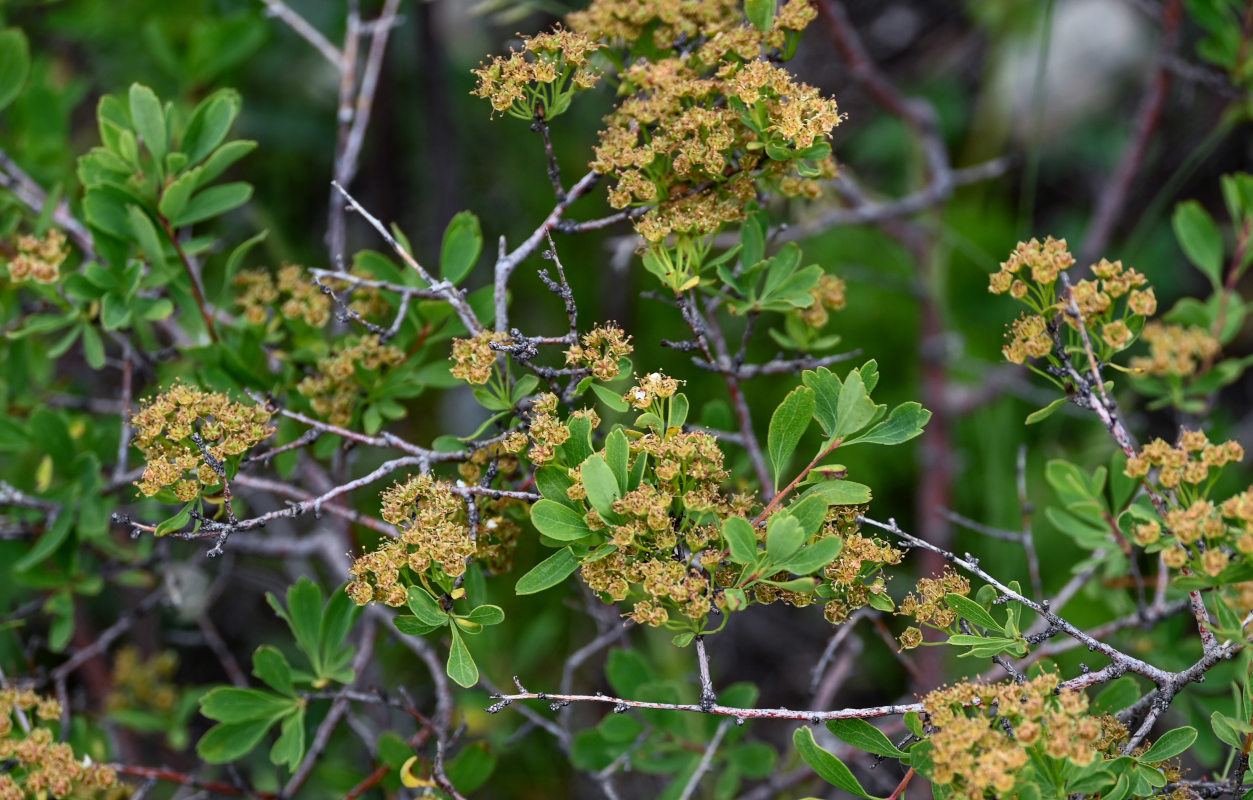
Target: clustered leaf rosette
[(538, 81), (179, 469), (37, 763), (1112, 305)]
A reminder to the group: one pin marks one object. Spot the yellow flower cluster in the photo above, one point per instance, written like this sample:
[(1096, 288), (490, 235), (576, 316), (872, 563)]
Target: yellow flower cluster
[(474, 359), (599, 350), (828, 294), (926, 604), (718, 25), (164, 426), (39, 259), (1043, 261), (1176, 350), (680, 143), (434, 534), (1190, 462), (1030, 275), (976, 756), (333, 392), (650, 388), (1197, 531), (38, 765), (546, 431), (853, 575), (537, 81), (1028, 338), (140, 683), (259, 292)]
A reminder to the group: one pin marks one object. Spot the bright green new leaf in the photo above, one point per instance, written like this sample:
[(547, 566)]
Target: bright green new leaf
[(210, 123), (814, 556), (412, 626), (787, 425), (1041, 414), (463, 241), (760, 13), (841, 493), (617, 456)]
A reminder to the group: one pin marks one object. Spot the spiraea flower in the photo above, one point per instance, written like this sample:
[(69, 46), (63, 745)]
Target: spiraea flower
[(164, 427), (600, 351), (39, 258)]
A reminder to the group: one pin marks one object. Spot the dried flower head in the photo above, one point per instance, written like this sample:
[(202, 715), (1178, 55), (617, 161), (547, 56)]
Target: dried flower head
[(39, 258)]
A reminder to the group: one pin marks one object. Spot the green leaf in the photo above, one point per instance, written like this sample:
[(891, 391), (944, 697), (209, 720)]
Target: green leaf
[(225, 743), (741, 538), (617, 456), (1116, 696), (149, 120), (486, 615), (828, 767), (760, 13), (904, 423), (175, 522), (338, 617), (289, 749), (841, 493), (271, 666), (1200, 239), (601, 485), (425, 607), (114, 312), (549, 572), (471, 768), (856, 410), (610, 398), (212, 202), (787, 425), (145, 233), (461, 666), (827, 387), (814, 556), (972, 611), (209, 124), (229, 704), (1041, 414), (412, 626), (1170, 744), (48, 542), (223, 158), (810, 511), (303, 614), (463, 241), (14, 64), (559, 522), (174, 198), (864, 736), (784, 537), (93, 346)]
